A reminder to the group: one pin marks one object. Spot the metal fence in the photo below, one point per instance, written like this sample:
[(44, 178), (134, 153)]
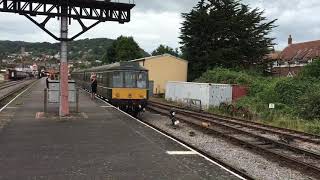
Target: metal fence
[(193, 104)]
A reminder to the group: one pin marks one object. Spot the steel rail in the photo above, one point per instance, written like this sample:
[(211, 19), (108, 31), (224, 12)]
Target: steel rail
[(15, 91), (282, 132), (260, 143), (9, 84)]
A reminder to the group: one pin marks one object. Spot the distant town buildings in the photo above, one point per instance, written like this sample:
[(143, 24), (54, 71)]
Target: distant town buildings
[(294, 57)]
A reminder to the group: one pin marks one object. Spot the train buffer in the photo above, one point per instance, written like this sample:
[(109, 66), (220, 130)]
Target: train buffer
[(100, 142)]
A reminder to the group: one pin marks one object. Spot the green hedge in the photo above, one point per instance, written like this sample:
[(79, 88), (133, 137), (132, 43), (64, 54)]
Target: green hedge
[(294, 97), (225, 76)]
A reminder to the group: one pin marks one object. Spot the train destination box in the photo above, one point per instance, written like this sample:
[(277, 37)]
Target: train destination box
[(208, 94), (54, 91)]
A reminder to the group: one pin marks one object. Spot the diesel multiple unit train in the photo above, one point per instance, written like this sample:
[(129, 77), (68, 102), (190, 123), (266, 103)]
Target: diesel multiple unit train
[(123, 84)]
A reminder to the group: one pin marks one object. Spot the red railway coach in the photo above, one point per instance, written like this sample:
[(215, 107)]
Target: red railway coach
[(15, 75)]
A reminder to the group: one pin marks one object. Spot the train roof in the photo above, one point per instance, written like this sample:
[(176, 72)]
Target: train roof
[(116, 66)]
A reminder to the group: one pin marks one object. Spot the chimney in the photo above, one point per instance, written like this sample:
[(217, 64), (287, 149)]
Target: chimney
[(290, 40)]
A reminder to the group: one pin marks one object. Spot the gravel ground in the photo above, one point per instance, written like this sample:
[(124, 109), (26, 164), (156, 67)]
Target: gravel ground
[(305, 145), (309, 146), (255, 165)]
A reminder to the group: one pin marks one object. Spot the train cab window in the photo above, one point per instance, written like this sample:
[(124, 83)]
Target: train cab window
[(117, 79), (142, 80), (130, 79)]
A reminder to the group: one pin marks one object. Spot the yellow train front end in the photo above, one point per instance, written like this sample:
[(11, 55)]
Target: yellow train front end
[(131, 100)]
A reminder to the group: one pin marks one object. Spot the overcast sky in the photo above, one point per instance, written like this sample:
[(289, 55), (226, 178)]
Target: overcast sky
[(157, 22)]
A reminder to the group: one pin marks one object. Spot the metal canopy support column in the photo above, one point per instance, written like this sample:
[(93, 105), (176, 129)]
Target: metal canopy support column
[(79, 10), (64, 70)]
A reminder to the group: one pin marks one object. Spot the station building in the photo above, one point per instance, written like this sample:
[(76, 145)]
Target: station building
[(164, 68)]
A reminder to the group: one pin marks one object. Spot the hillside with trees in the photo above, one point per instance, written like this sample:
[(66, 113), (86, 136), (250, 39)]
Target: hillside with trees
[(85, 49)]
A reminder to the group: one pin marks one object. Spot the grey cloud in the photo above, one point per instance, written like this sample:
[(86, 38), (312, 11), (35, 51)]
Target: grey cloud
[(165, 5), (295, 17)]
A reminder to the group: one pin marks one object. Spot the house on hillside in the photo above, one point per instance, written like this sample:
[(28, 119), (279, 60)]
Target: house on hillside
[(164, 68), (294, 57)]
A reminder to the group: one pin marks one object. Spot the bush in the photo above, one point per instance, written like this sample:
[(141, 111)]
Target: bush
[(225, 76), (309, 104), (294, 97), (290, 90), (311, 71)]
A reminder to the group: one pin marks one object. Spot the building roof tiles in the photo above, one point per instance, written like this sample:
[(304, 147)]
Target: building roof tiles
[(301, 51)]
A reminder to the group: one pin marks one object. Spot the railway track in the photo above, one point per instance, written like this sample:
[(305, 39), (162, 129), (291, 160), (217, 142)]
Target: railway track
[(9, 84), (282, 133), (15, 87), (252, 135)]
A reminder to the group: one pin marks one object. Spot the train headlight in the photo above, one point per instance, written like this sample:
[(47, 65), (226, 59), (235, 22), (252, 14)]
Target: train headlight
[(117, 95)]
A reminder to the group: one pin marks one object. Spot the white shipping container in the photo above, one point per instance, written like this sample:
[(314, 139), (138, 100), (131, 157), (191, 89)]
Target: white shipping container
[(208, 94)]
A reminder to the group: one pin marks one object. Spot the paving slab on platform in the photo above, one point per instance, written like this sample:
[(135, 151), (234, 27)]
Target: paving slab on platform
[(98, 143)]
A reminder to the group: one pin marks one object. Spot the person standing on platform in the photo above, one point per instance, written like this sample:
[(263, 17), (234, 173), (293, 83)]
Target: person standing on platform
[(94, 86)]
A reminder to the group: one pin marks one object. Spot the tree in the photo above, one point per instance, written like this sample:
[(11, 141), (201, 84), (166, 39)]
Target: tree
[(122, 49), (224, 33), (162, 49)]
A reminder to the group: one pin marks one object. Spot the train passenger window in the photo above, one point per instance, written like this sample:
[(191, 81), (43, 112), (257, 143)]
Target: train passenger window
[(109, 75), (130, 79), (117, 79), (100, 78), (142, 80), (105, 79)]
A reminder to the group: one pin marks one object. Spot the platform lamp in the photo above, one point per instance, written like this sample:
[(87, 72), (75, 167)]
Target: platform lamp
[(66, 11)]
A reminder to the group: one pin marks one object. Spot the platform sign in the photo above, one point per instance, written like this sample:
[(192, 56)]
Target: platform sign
[(272, 106), (54, 92)]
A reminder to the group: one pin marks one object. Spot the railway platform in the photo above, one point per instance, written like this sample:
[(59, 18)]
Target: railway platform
[(99, 143)]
